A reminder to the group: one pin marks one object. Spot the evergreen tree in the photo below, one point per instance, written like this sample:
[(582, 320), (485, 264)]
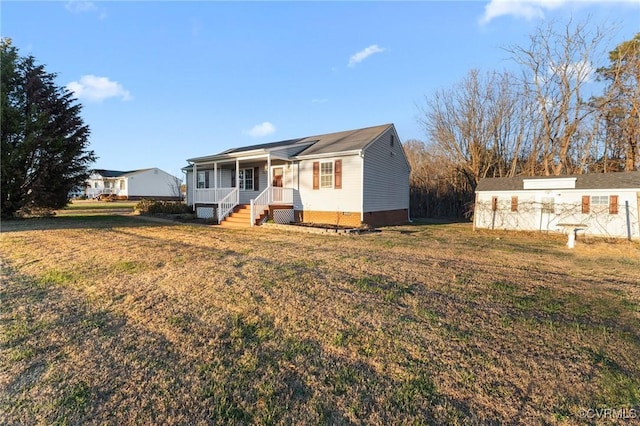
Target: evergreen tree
[(620, 105), (44, 139)]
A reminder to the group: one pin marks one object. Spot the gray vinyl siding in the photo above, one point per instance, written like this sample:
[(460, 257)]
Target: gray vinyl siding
[(189, 182), (386, 175), (247, 196), (224, 181)]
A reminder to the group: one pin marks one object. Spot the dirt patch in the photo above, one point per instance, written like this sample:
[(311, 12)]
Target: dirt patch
[(318, 228)]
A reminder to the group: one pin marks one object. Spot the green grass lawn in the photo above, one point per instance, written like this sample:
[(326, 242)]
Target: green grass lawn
[(111, 319)]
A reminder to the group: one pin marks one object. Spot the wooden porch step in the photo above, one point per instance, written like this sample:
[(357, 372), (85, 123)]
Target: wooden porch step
[(241, 217), (234, 225)]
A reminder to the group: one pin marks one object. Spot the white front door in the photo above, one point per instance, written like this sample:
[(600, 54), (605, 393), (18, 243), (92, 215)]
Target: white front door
[(277, 182)]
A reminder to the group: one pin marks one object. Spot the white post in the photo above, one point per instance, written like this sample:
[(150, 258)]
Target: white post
[(238, 181), (215, 180), (252, 220), (269, 183), (195, 184), (571, 243)]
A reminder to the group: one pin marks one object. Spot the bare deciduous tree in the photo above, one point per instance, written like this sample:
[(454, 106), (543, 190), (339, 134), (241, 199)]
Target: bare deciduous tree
[(542, 122), (476, 125), (439, 188), (556, 66)]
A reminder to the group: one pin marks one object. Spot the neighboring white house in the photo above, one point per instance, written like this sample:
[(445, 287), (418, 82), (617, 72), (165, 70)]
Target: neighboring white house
[(344, 178), (604, 204), (150, 183)]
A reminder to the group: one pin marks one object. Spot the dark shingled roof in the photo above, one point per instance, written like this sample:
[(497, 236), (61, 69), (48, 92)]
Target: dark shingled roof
[(349, 140), (586, 181), (263, 146), (116, 173), (108, 173)]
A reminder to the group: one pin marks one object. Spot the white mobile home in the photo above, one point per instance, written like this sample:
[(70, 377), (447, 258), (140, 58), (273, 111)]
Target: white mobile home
[(347, 178), (151, 183), (603, 204)]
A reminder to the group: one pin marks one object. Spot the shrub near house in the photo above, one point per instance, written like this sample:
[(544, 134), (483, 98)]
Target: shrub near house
[(162, 207)]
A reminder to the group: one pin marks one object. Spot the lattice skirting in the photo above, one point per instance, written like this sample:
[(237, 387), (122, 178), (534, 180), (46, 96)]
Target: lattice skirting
[(205, 212), (283, 216)]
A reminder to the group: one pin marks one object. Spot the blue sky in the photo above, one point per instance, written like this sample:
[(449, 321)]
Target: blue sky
[(161, 82)]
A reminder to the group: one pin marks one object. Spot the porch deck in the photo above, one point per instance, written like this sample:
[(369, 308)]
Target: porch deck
[(278, 195), (221, 203)]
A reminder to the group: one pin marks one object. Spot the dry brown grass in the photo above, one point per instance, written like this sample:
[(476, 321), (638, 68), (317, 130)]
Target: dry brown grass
[(115, 320)]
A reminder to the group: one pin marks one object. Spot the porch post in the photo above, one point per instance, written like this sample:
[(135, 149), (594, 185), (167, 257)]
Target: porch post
[(195, 184), (238, 173), (238, 180), (269, 169), (269, 178), (215, 179)]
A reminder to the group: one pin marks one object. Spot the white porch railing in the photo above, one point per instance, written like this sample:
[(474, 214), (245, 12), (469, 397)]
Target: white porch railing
[(260, 204), (211, 195), (271, 195), (227, 203), (281, 195)]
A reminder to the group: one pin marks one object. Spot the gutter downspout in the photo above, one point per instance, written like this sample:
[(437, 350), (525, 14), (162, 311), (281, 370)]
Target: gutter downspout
[(626, 204), (362, 188)]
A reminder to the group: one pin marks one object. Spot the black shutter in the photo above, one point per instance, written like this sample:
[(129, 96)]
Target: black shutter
[(256, 178)]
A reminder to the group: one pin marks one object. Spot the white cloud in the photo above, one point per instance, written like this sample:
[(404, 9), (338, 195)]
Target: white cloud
[(527, 9), (81, 6), (364, 54), (96, 89), (78, 6), (581, 71), (260, 130), (319, 100)]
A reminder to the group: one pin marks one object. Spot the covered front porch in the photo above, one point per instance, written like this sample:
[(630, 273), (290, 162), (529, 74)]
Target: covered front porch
[(218, 186)]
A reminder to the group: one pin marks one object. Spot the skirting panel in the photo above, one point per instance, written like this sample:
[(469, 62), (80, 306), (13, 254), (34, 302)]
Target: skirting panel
[(205, 212), (283, 216), (387, 217)]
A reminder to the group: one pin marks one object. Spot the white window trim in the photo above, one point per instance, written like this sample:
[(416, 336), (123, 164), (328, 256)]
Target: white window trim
[(331, 174), (205, 181), (548, 205), (599, 197), (284, 173), (243, 179)]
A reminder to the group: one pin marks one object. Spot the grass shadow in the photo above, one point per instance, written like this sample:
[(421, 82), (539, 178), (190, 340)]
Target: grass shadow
[(88, 222), (93, 365), (438, 220)]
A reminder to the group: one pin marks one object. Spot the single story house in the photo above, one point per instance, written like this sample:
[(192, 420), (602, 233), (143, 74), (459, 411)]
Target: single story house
[(151, 183), (602, 204), (346, 178)]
